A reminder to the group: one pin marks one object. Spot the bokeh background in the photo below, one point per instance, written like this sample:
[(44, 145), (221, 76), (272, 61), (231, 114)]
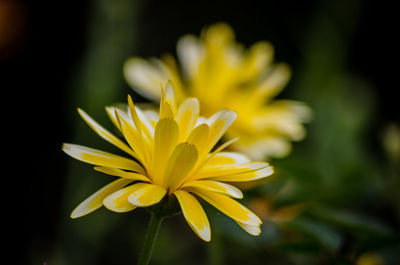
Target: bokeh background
[(334, 200)]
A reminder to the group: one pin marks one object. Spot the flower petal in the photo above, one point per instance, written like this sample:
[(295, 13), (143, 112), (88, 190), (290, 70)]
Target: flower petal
[(106, 135), (194, 214), (123, 174), (215, 186), (219, 123), (100, 158), (111, 112), (228, 206), (132, 136), (165, 138), (118, 201), (247, 176), (187, 116), (95, 201), (254, 230), (272, 85), (146, 194), (223, 158), (182, 160), (229, 169), (190, 52), (146, 77), (199, 136)]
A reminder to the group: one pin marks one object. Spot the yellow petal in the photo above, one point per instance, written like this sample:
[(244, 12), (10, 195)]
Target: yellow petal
[(215, 186), (145, 77), (122, 174), (100, 158), (194, 214), (273, 84), (166, 111), (143, 135), (95, 201), (118, 200), (111, 112), (165, 138), (204, 158), (219, 123), (146, 195), (131, 135), (141, 121), (182, 160), (229, 169), (223, 158), (106, 135), (187, 116), (167, 103), (190, 52), (254, 230), (169, 96), (246, 176), (256, 60), (228, 206), (199, 136)]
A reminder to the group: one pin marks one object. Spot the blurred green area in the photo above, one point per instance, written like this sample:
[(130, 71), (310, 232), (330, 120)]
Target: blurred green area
[(346, 179)]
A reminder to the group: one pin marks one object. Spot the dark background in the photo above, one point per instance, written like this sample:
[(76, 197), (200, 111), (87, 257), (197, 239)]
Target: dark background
[(49, 52)]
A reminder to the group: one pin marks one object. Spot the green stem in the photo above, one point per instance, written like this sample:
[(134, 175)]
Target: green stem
[(152, 232)]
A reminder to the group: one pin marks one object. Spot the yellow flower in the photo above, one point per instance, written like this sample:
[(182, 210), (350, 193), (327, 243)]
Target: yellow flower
[(171, 152), (222, 74)]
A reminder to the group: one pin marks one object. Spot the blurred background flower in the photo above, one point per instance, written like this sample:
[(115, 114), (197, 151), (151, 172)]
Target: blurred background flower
[(344, 174), (221, 73)]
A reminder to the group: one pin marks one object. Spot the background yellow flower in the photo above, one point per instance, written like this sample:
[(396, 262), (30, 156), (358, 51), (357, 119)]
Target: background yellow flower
[(221, 73)]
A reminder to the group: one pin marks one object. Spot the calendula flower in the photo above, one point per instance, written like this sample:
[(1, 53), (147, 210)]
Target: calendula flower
[(171, 153), (223, 74)]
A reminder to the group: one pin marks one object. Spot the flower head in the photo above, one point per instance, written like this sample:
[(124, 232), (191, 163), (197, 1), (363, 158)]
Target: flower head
[(171, 154), (222, 74)]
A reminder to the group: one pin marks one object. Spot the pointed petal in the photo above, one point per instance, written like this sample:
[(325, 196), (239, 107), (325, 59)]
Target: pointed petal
[(167, 104), (228, 206), (146, 195), (135, 141), (100, 158), (187, 116), (215, 186), (106, 135), (219, 124), (145, 77), (169, 96), (182, 160), (111, 112), (118, 201), (254, 230), (122, 174), (199, 136), (273, 84), (223, 158), (95, 201), (194, 214), (165, 138), (229, 169), (246, 176), (256, 60), (190, 52)]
